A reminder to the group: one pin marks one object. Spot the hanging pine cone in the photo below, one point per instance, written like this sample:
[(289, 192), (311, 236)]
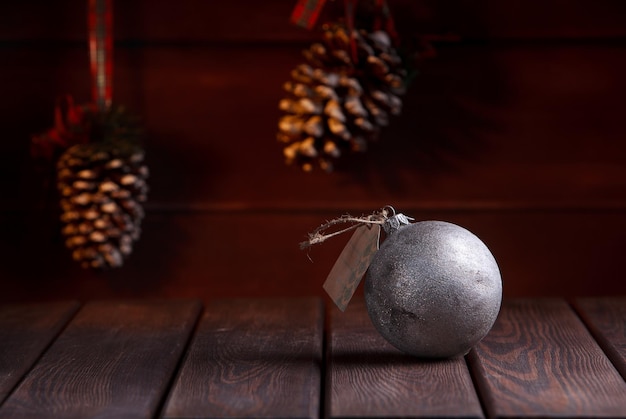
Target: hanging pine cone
[(102, 190), (341, 97), (101, 179)]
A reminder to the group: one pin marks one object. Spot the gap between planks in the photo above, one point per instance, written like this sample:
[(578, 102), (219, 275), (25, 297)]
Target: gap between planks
[(354, 353), (540, 360)]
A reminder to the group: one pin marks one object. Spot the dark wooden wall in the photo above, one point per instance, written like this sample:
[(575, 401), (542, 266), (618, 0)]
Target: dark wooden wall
[(516, 130)]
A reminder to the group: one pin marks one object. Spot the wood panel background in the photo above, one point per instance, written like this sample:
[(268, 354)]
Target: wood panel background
[(515, 130)]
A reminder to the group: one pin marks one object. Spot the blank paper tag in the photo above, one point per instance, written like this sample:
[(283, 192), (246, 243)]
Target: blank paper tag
[(351, 265)]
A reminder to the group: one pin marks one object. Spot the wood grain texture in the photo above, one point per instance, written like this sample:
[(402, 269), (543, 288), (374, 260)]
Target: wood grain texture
[(469, 136), (606, 319), (539, 360), (115, 359), (252, 358), (367, 377), (26, 330), (199, 255), (243, 20), (464, 137)]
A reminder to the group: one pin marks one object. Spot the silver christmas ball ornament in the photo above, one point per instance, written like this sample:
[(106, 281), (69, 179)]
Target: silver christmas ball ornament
[(433, 290)]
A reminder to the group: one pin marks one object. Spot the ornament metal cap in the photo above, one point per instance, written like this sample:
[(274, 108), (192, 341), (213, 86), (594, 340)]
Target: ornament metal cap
[(395, 222)]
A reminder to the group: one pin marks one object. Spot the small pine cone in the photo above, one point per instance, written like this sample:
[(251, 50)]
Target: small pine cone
[(336, 105), (102, 189)]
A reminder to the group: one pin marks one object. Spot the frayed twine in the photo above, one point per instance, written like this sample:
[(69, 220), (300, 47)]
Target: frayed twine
[(319, 235)]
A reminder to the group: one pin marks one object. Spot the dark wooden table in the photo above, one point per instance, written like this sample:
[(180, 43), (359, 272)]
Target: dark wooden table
[(296, 358)]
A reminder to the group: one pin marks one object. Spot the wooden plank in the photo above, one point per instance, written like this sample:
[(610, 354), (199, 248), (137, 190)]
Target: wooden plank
[(115, 359), (460, 118), (178, 248), (539, 360), (26, 330), (248, 20), (606, 319), (539, 97), (367, 377), (252, 358)]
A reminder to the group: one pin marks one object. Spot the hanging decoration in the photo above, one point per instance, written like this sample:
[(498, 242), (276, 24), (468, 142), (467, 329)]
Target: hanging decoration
[(101, 174), (433, 289), (347, 89)]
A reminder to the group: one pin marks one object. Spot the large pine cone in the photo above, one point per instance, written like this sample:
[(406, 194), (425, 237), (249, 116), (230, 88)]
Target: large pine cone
[(336, 104), (102, 188)]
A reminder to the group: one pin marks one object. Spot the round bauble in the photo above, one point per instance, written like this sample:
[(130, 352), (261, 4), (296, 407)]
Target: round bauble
[(433, 290)]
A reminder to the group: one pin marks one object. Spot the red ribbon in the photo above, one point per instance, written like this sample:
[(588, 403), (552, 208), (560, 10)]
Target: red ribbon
[(307, 12), (385, 13), (350, 12), (66, 115), (100, 19), (70, 127)]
